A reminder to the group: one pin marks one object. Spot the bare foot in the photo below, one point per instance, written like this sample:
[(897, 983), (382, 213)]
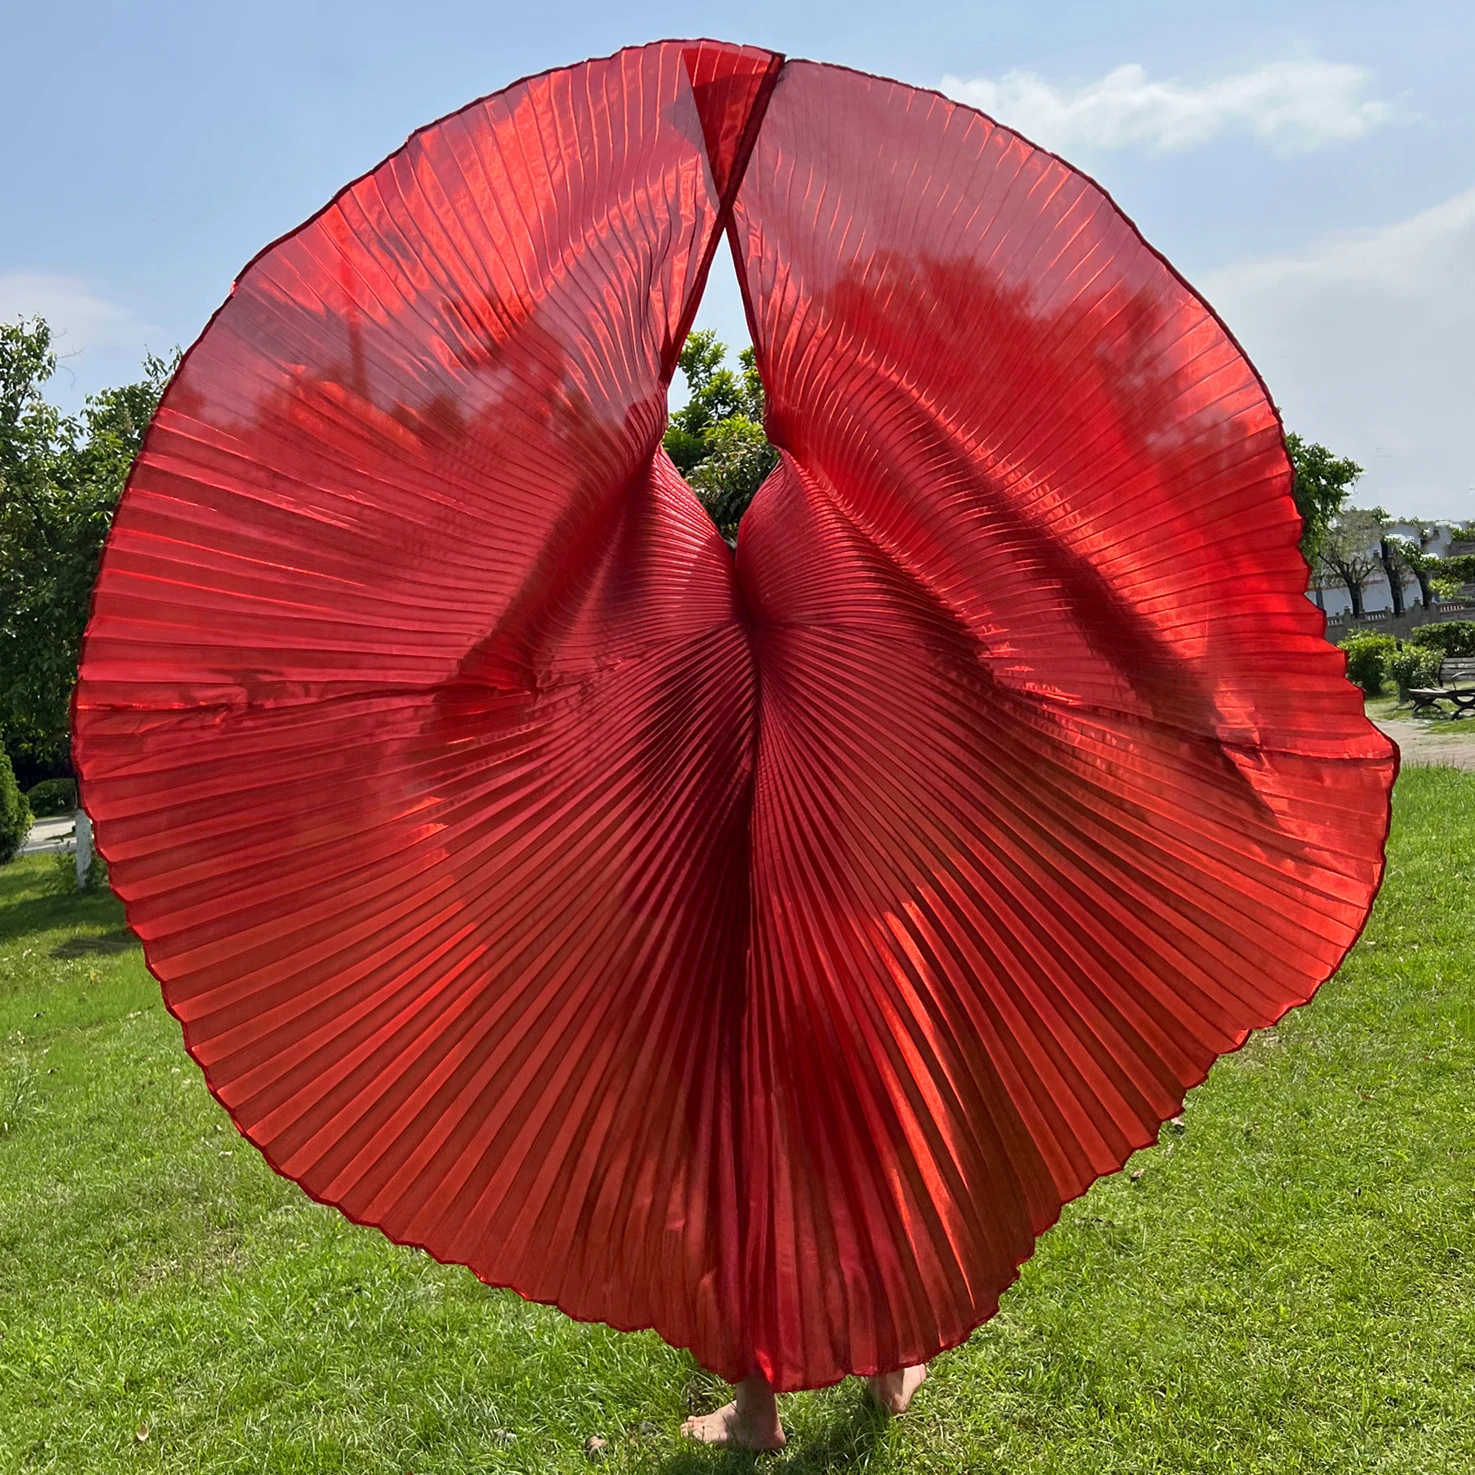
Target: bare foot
[(749, 1422), (893, 1391)]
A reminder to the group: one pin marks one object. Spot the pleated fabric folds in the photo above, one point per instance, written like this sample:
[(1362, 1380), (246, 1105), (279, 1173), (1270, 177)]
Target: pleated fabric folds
[(761, 950)]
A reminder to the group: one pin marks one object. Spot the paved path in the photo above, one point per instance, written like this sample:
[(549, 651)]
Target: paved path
[(1422, 744), (49, 834)]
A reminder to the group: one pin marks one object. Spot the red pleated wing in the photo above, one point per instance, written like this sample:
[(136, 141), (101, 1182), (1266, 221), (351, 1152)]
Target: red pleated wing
[(761, 954), (1059, 790), (415, 712)]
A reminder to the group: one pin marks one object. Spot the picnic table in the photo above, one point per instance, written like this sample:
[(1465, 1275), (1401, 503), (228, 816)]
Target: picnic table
[(1452, 675)]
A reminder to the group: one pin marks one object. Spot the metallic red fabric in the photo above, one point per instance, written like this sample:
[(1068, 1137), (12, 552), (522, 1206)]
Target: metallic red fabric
[(762, 950)]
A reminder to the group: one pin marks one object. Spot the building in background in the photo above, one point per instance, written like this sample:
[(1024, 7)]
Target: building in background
[(1436, 540)]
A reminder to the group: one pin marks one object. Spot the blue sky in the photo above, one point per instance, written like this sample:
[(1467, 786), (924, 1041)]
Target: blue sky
[(1310, 167)]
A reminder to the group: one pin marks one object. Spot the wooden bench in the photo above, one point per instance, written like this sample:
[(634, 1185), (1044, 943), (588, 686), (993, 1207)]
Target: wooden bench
[(1453, 674)]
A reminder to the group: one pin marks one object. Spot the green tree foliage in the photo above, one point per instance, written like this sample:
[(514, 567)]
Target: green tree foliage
[(1321, 488), (15, 813), (60, 478), (716, 438)]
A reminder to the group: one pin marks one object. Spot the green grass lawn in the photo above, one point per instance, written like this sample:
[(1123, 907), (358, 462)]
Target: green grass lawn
[(1289, 1286)]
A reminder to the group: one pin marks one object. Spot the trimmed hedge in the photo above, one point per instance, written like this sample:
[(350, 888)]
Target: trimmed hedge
[(1368, 654), (52, 796), (15, 813), (1453, 637)]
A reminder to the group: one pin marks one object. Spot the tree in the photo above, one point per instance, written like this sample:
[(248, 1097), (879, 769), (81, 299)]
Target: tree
[(60, 479), (1396, 567), (716, 438), (737, 462), (1348, 550), (1444, 576), (1410, 555), (1322, 485), (1424, 566), (715, 395)]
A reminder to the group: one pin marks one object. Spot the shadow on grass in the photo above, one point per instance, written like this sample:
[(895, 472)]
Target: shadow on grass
[(844, 1440), (105, 943), (32, 902)]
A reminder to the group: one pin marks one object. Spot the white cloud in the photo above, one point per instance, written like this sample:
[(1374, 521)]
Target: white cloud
[(98, 342), (79, 318), (1291, 106), (1365, 341)]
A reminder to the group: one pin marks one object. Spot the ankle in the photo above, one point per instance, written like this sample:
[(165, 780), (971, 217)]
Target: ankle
[(756, 1403)]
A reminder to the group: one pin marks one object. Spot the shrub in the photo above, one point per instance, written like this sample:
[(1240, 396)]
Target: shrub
[(15, 813), (1453, 637), (1414, 665), (52, 796), (1367, 659), (64, 872)]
